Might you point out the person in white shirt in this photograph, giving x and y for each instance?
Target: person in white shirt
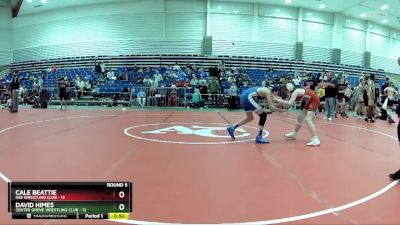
(23, 92)
(158, 77)
(176, 67)
(194, 82)
(79, 86)
(148, 81)
(110, 75)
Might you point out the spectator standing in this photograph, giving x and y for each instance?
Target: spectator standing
(330, 86)
(141, 98)
(215, 90)
(63, 84)
(15, 83)
(371, 99)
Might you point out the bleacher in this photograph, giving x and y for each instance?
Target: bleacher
(256, 68)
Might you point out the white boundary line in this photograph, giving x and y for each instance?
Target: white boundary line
(273, 221)
(3, 177)
(281, 220)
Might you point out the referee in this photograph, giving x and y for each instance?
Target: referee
(396, 175)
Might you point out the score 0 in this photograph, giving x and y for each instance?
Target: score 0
(121, 196)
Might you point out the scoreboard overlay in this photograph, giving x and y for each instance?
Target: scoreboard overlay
(70, 200)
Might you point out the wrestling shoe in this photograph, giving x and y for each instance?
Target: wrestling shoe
(395, 176)
(314, 142)
(231, 132)
(291, 135)
(261, 140)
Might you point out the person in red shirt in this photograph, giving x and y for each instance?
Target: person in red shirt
(311, 105)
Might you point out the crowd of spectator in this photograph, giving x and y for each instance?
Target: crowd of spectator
(212, 86)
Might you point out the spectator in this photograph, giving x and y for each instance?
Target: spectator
(341, 102)
(194, 82)
(161, 96)
(151, 96)
(232, 97)
(111, 75)
(42, 75)
(385, 85)
(359, 109)
(53, 68)
(141, 98)
(371, 99)
(389, 93)
(181, 75)
(126, 77)
(158, 77)
(321, 95)
(63, 84)
(15, 83)
(139, 80)
(221, 65)
(188, 69)
(23, 94)
(348, 92)
(215, 90)
(148, 81)
(176, 67)
(187, 84)
(202, 81)
(196, 99)
(270, 72)
(330, 95)
(173, 75)
(242, 81)
(26, 77)
(204, 90)
(265, 82)
(310, 82)
(35, 88)
(173, 97)
(178, 83)
(79, 85)
(95, 92)
(201, 73)
(88, 85)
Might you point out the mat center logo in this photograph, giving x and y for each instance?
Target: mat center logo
(202, 131)
(188, 133)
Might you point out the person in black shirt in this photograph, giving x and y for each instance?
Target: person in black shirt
(63, 84)
(396, 175)
(330, 86)
(310, 82)
(14, 83)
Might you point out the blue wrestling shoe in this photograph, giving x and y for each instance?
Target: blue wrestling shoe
(231, 132)
(261, 140)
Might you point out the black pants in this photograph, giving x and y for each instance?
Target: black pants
(232, 102)
(398, 131)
